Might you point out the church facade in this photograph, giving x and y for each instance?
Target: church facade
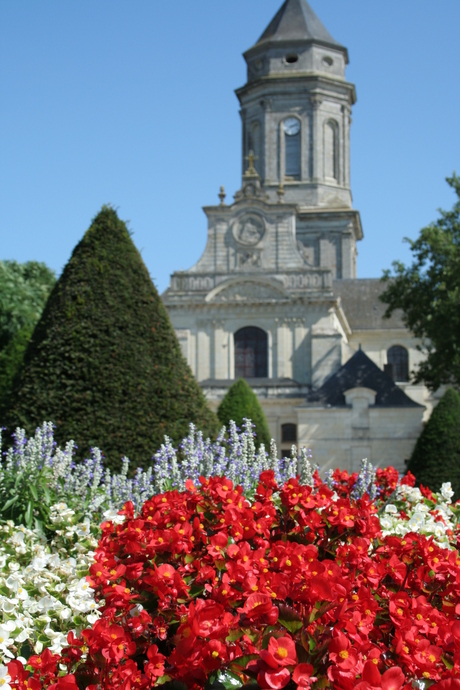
(275, 297)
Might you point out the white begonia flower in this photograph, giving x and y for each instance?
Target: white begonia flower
(446, 491)
(112, 516)
(17, 538)
(14, 566)
(93, 617)
(8, 605)
(386, 523)
(65, 613)
(416, 521)
(38, 647)
(390, 508)
(83, 529)
(5, 678)
(38, 563)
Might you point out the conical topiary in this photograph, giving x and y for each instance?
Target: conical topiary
(241, 402)
(436, 456)
(104, 363)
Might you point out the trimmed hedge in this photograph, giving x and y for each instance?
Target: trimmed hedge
(104, 363)
(240, 402)
(436, 456)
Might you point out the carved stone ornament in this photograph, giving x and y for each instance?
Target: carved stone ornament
(248, 292)
(249, 230)
(248, 258)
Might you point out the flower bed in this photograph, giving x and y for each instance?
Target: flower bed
(297, 587)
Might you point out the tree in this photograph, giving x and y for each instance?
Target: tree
(436, 456)
(104, 363)
(428, 292)
(24, 289)
(241, 402)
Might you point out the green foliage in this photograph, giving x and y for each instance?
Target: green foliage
(24, 289)
(436, 456)
(428, 292)
(104, 363)
(10, 362)
(240, 403)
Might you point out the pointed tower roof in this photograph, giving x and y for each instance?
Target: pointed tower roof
(296, 21)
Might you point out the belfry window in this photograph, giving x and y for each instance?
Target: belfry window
(398, 359)
(251, 353)
(254, 144)
(291, 128)
(331, 151)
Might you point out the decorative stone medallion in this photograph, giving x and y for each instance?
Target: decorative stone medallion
(249, 230)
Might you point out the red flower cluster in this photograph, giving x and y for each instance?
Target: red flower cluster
(294, 589)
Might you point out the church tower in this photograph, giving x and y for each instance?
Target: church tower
(295, 110)
(265, 300)
(259, 303)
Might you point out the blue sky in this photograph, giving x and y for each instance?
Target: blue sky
(131, 102)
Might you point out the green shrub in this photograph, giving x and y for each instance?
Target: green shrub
(11, 358)
(240, 403)
(24, 289)
(104, 363)
(436, 456)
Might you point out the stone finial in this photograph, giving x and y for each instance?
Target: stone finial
(222, 195)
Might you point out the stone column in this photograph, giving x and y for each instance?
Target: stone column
(317, 139)
(346, 121)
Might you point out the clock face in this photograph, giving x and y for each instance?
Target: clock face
(291, 126)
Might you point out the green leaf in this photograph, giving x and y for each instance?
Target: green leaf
(29, 513)
(9, 503)
(195, 590)
(293, 626)
(33, 491)
(47, 494)
(243, 661)
(229, 680)
(234, 635)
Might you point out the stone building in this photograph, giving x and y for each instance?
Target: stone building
(275, 297)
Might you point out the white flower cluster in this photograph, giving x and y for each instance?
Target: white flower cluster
(436, 521)
(43, 588)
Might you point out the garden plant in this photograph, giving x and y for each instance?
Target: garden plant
(291, 581)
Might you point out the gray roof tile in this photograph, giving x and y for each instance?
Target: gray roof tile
(362, 306)
(296, 21)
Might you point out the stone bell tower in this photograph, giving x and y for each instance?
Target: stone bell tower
(295, 110)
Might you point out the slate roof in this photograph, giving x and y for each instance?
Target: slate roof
(360, 372)
(296, 21)
(361, 304)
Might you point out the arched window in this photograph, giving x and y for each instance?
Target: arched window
(398, 358)
(291, 128)
(331, 150)
(254, 144)
(251, 353)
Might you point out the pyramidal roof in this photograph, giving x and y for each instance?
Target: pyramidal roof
(360, 371)
(296, 21)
